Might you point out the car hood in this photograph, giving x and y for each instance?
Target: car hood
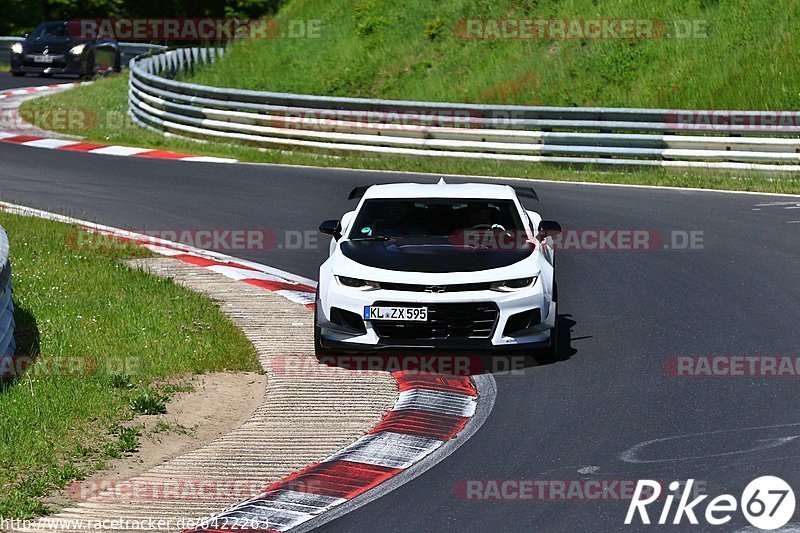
(54, 45)
(430, 256)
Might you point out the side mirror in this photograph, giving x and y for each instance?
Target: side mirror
(332, 228)
(549, 227)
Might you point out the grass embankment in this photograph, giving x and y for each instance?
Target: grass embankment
(740, 56)
(737, 57)
(110, 342)
(108, 98)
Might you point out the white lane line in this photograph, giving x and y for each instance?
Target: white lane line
(49, 143)
(392, 450)
(243, 273)
(119, 150)
(448, 403)
(170, 248)
(285, 499)
(270, 520)
(209, 159)
(280, 510)
(160, 250)
(487, 391)
(300, 297)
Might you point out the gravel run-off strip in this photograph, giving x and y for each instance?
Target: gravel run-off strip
(309, 412)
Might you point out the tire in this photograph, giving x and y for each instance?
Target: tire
(552, 350)
(17, 74)
(88, 72)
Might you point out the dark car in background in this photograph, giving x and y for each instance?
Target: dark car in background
(52, 49)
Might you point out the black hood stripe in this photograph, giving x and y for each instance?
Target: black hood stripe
(430, 258)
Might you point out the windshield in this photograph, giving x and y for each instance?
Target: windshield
(50, 29)
(433, 217)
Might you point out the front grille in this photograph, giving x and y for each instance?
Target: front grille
(460, 287)
(445, 321)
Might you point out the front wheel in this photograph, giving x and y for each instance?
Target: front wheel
(552, 350)
(17, 74)
(88, 71)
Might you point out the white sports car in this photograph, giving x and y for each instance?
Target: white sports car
(450, 267)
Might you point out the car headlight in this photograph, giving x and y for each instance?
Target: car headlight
(77, 50)
(511, 285)
(16, 48)
(355, 283)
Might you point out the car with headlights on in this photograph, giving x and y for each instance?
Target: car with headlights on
(438, 266)
(60, 48)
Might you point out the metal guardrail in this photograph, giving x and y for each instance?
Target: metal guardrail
(130, 50)
(7, 344)
(604, 136)
(127, 50)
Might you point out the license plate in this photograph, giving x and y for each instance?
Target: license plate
(42, 59)
(407, 314)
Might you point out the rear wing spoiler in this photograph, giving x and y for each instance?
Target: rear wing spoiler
(525, 192)
(358, 192)
(522, 192)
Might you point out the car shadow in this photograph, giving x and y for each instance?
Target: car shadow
(26, 334)
(457, 363)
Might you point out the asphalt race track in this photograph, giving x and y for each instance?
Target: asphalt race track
(581, 417)
(7, 81)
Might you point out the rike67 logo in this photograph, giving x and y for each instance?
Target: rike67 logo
(767, 502)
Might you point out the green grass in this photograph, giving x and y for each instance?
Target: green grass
(108, 97)
(126, 441)
(148, 403)
(412, 50)
(121, 335)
